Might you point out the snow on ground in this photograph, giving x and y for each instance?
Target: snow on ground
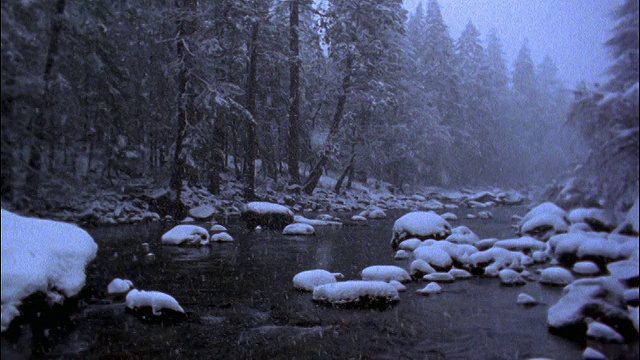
(222, 237)
(431, 288)
(299, 229)
(186, 235)
(119, 286)
(385, 273)
(543, 221)
(420, 224)
(355, 292)
(156, 300)
(308, 280)
(41, 256)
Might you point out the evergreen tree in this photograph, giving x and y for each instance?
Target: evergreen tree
(624, 47)
(497, 69)
(524, 79)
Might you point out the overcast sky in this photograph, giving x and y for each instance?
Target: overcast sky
(572, 32)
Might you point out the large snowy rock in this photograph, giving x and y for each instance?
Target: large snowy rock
(385, 273)
(308, 280)
(444, 254)
(543, 221)
(599, 298)
(186, 235)
(599, 247)
(41, 256)
(421, 225)
(154, 306)
(267, 215)
(357, 293)
(597, 219)
(491, 261)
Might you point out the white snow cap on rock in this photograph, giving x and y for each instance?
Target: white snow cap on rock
(422, 266)
(462, 235)
(385, 273)
(156, 300)
(431, 288)
(221, 237)
(601, 331)
(353, 291)
(526, 299)
(401, 255)
(449, 216)
(544, 215)
(459, 273)
(186, 235)
(307, 280)
(313, 222)
(510, 277)
(217, 228)
(521, 244)
(298, 229)
(556, 276)
(377, 214)
(589, 244)
(41, 256)
(420, 224)
(409, 244)
(119, 286)
(592, 354)
(586, 268)
(261, 207)
(439, 277)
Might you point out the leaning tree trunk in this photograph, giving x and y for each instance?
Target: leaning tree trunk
(344, 174)
(251, 151)
(185, 103)
(314, 177)
(39, 126)
(294, 94)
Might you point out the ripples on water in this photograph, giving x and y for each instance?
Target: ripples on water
(242, 303)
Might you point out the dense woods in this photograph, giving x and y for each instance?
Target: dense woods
(99, 94)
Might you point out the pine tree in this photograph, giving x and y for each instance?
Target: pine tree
(524, 79)
(624, 46)
(497, 69)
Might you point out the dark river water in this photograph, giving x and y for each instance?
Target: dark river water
(241, 303)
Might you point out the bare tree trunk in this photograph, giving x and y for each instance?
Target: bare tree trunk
(39, 125)
(344, 174)
(185, 103)
(218, 155)
(251, 151)
(294, 94)
(314, 177)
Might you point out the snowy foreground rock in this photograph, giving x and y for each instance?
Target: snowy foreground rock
(268, 215)
(421, 225)
(543, 221)
(154, 306)
(308, 280)
(186, 235)
(41, 256)
(357, 293)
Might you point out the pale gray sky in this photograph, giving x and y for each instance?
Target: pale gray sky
(572, 32)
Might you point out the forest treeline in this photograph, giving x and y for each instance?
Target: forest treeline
(97, 93)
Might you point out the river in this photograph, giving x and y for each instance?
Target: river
(241, 303)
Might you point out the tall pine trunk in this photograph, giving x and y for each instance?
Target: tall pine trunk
(251, 150)
(39, 127)
(294, 94)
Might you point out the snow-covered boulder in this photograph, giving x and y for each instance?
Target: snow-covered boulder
(203, 212)
(596, 298)
(409, 244)
(510, 277)
(543, 221)
(434, 256)
(266, 214)
(357, 293)
(119, 287)
(41, 256)
(430, 289)
(526, 244)
(598, 247)
(556, 276)
(299, 229)
(186, 235)
(421, 225)
(490, 262)
(597, 219)
(307, 280)
(526, 300)
(221, 237)
(154, 306)
(632, 297)
(385, 273)
(462, 235)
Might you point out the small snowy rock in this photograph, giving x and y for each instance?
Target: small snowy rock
(299, 229)
(420, 266)
(203, 212)
(526, 300)
(157, 301)
(439, 277)
(358, 218)
(217, 228)
(377, 214)
(431, 288)
(485, 214)
(592, 354)
(459, 274)
(356, 292)
(186, 235)
(398, 285)
(556, 276)
(308, 280)
(471, 216)
(449, 216)
(601, 331)
(409, 244)
(401, 255)
(221, 237)
(119, 286)
(385, 273)
(510, 277)
(586, 268)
